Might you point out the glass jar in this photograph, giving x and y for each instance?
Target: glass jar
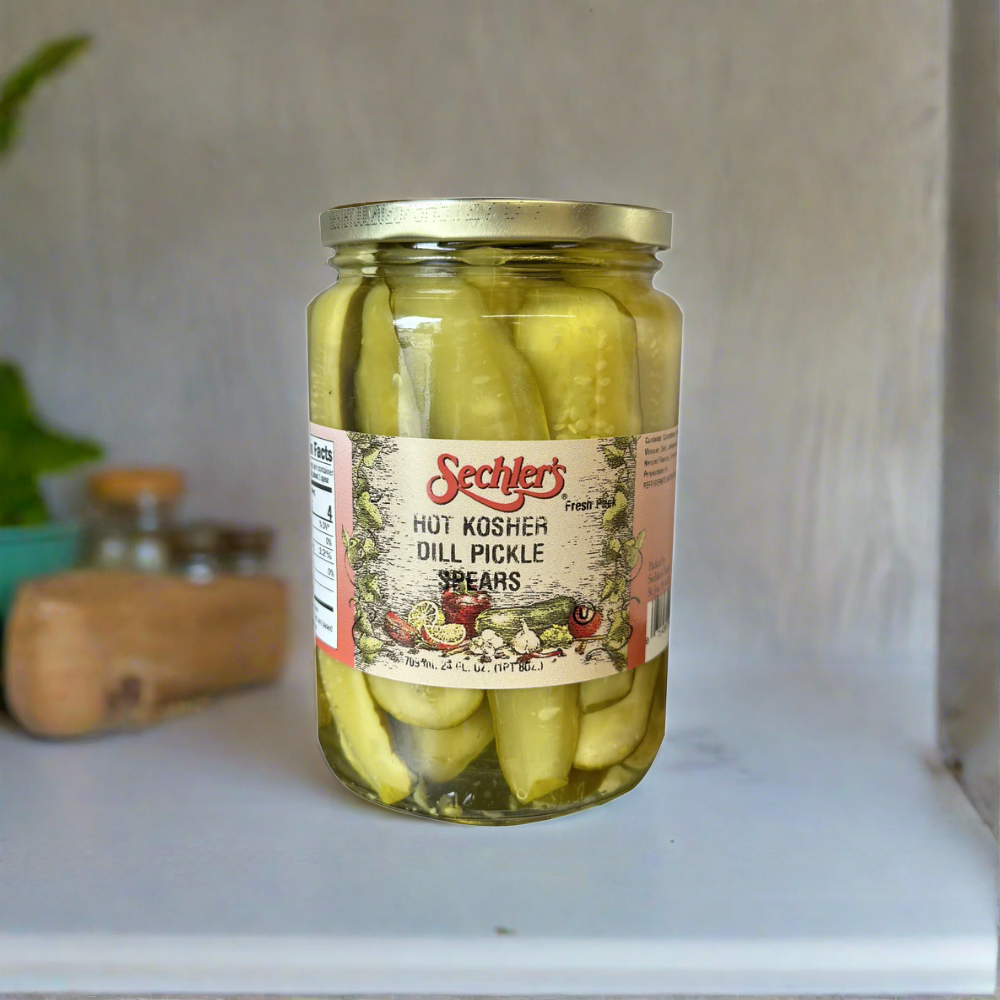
(494, 405)
(247, 549)
(197, 550)
(131, 523)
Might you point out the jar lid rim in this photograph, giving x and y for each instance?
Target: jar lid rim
(504, 220)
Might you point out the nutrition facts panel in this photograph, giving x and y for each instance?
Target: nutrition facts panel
(324, 541)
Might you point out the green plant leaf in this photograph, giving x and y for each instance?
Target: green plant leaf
(369, 646)
(21, 500)
(362, 623)
(615, 589)
(370, 455)
(620, 631)
(616, 516)
(18, 86)
(366, 513)
(630, 553)
(29, 449)
(614, 456)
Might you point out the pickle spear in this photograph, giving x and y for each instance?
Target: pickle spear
(610, 735)
(604, 691)
(469, 381)
(442, 754)
(363, 736)
(500, 289)
(658, 321)
(581, 347)
(645, 752)
(536, 731)
(385, 400)
(420, 705)
(333, 319)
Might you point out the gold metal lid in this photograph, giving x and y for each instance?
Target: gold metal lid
(501, 220)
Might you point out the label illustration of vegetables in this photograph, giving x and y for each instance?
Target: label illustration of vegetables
(362, 548)
(622, 552)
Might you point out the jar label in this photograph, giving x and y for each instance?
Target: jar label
(492, 564)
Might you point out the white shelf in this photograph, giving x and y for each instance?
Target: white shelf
(795, 836)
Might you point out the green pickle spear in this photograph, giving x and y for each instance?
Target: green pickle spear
(420, 705)
(536, 731)
(440, 755)
(363, 735)
(385, 399)
(470, 383)
(334, 345)
(658, 321)
(607, 737)
(333, 319)
(581, 346)
(644, 754)
(386, 405)
(604, 691)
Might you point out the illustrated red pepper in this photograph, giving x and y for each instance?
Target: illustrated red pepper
(401, 630)
(463, 606)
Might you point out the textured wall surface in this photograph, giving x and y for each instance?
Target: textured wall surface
(159, 243)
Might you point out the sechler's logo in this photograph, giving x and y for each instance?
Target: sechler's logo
(491, 484)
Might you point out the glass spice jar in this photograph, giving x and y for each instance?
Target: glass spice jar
(247, 549)
(198, 550)
(131, 523)
(494, 406)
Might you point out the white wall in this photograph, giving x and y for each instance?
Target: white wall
(158, 242)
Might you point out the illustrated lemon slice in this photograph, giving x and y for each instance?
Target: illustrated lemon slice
(444, 636)
(426, 613)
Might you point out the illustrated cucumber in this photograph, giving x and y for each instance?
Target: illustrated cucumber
(645, 753)
(334, 322)
(421, 705)
(604, 691)
(363, 736)
(469, 381)
(440, 755)
(386, 403)
(582, 348)
(658, 322)
(536, 733)
(610, 735)
(507, 622)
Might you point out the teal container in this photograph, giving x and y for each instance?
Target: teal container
(34, 550)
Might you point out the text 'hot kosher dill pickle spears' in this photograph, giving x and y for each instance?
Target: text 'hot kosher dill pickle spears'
(493, 401)
(581, 346)
(469, 380)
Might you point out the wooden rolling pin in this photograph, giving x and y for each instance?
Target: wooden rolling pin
(94, 650)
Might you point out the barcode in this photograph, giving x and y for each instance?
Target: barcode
(658, 615)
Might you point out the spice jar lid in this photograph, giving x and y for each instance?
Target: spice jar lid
(129, 484)
(502, 220)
